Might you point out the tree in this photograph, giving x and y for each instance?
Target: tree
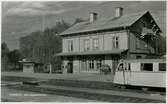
(4, 56)
(42, 46)
(78, 20)
(27, 43)
(14, 57)
(4, 49)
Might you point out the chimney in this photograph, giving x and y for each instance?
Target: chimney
(93, 17)
(118, 12)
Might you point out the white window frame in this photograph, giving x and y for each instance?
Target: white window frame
(70, 45)
(99, 63)
(91, 64)
(86, 45)
(115, 41)
(95, 43)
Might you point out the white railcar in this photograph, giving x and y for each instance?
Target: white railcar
(141, 72)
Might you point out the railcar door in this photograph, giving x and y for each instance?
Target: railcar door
(127, 73)
(120, 76)
(123, 74)
(124, 68)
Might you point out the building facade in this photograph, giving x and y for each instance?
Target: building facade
(88, 45)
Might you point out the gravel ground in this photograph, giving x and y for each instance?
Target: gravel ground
(13, 95)
(35, 94)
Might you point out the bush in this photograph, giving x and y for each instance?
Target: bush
(105, 69)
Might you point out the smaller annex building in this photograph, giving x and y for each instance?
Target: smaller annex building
(31, 66)
(90, 44)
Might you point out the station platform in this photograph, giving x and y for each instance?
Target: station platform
(76, 76)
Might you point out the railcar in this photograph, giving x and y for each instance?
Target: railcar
(141, 72)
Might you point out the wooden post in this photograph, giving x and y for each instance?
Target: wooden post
(50, 68)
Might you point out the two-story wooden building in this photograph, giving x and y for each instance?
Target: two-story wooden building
(87, 45)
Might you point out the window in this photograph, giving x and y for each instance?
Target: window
(86, 45)
(138, 57)
(124, 66)
(120, 68)
(95, 44)
(91, 64)
(115, 42)
(70, 45)
(129, 67)
(99, 63)
(162, 66)
(84, 65)
(146, 67)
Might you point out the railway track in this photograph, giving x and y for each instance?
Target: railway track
(98, 95)
(81, 84)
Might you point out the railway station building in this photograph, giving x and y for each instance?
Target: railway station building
(88, 45)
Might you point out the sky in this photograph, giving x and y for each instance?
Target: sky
(21, 18)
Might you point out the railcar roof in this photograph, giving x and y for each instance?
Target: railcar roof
(144, 60)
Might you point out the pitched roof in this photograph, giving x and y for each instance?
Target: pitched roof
(28, 60)
(103, 24)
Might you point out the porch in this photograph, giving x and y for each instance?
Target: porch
(91, 61)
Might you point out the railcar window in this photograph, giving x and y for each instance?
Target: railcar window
(162, 66)
(146, 67)
(126, 66)
(120, 68)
